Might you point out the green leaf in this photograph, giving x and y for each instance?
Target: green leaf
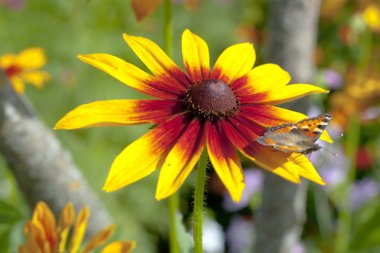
(8, 213)
(185, 240)
(4, 239)
(366, 227)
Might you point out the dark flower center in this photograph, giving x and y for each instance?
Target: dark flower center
(212, 100)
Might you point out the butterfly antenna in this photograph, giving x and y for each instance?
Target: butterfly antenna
(332, 153)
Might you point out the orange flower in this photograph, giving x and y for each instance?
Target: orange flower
(361, 92)
(24, 67)
(225, 109)
(44, 235)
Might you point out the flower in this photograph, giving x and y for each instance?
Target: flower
(24, 67)
(363, 191)
(359, 96)
(371, 16)
(45, 235)
(226, 109)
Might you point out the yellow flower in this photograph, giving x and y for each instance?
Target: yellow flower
(361, 92)
(371, 17)
(24, 67)
(225, 109)
(45, 235)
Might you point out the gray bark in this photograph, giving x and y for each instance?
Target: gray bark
(43, 169)
(292, 38)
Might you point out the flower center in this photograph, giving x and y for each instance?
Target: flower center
(12, 70)
(211, 100)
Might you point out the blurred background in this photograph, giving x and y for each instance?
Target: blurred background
(347, 60)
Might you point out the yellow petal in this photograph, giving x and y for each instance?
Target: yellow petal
(195, 56)
(117, 112)
(18, 84)
(180, 160)
(288, 93)
(65, 221)
(7, 60)
(99, 239)
(266, 77)
(119, 247)
(31, 58)
(288, 166)
(372, 17)
(142, 157)
(124, 72)
(37, 78)
(43, 216)
(326, 137)
(275, 162)
(234, 62)
(225, 161)
(79, 230)
(305, 168)
(157, 61)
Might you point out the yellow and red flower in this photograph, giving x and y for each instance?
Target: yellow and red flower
(45, 235)
(225, 109)
(25, 67)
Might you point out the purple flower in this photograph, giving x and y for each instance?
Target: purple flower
(332, 79)
(240, 234)
(254, 182)
(333, 170)
(13, 4)
(363, 191)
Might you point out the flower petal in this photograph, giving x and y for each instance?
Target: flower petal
(157, 61)
(196, 56)
(99, 239)
(270, 116)
(37, 78)
(282, 95)
(44, 218)
(181, 160)
(234, 62)
(119, 112)
(18, 84)
(225, 161)
(144, 155)
(282, 164)
(79, 230)
(119, 247)
(263, 78)
(129, 75)
(31, 58)
(65, 221)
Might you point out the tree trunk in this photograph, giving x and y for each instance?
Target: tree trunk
(292, 37)
(42, 168)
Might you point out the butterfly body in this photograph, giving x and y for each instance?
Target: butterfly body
(296, 138)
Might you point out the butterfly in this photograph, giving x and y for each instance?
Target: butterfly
(296, 138)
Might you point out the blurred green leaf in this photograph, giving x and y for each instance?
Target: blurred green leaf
(8, 213)
(185, 240)
(366, 227)
(4, 238)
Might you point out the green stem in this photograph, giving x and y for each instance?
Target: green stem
(173, 207)
(173, 200)
(168, 27)
(344, 212)
(198, 201)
